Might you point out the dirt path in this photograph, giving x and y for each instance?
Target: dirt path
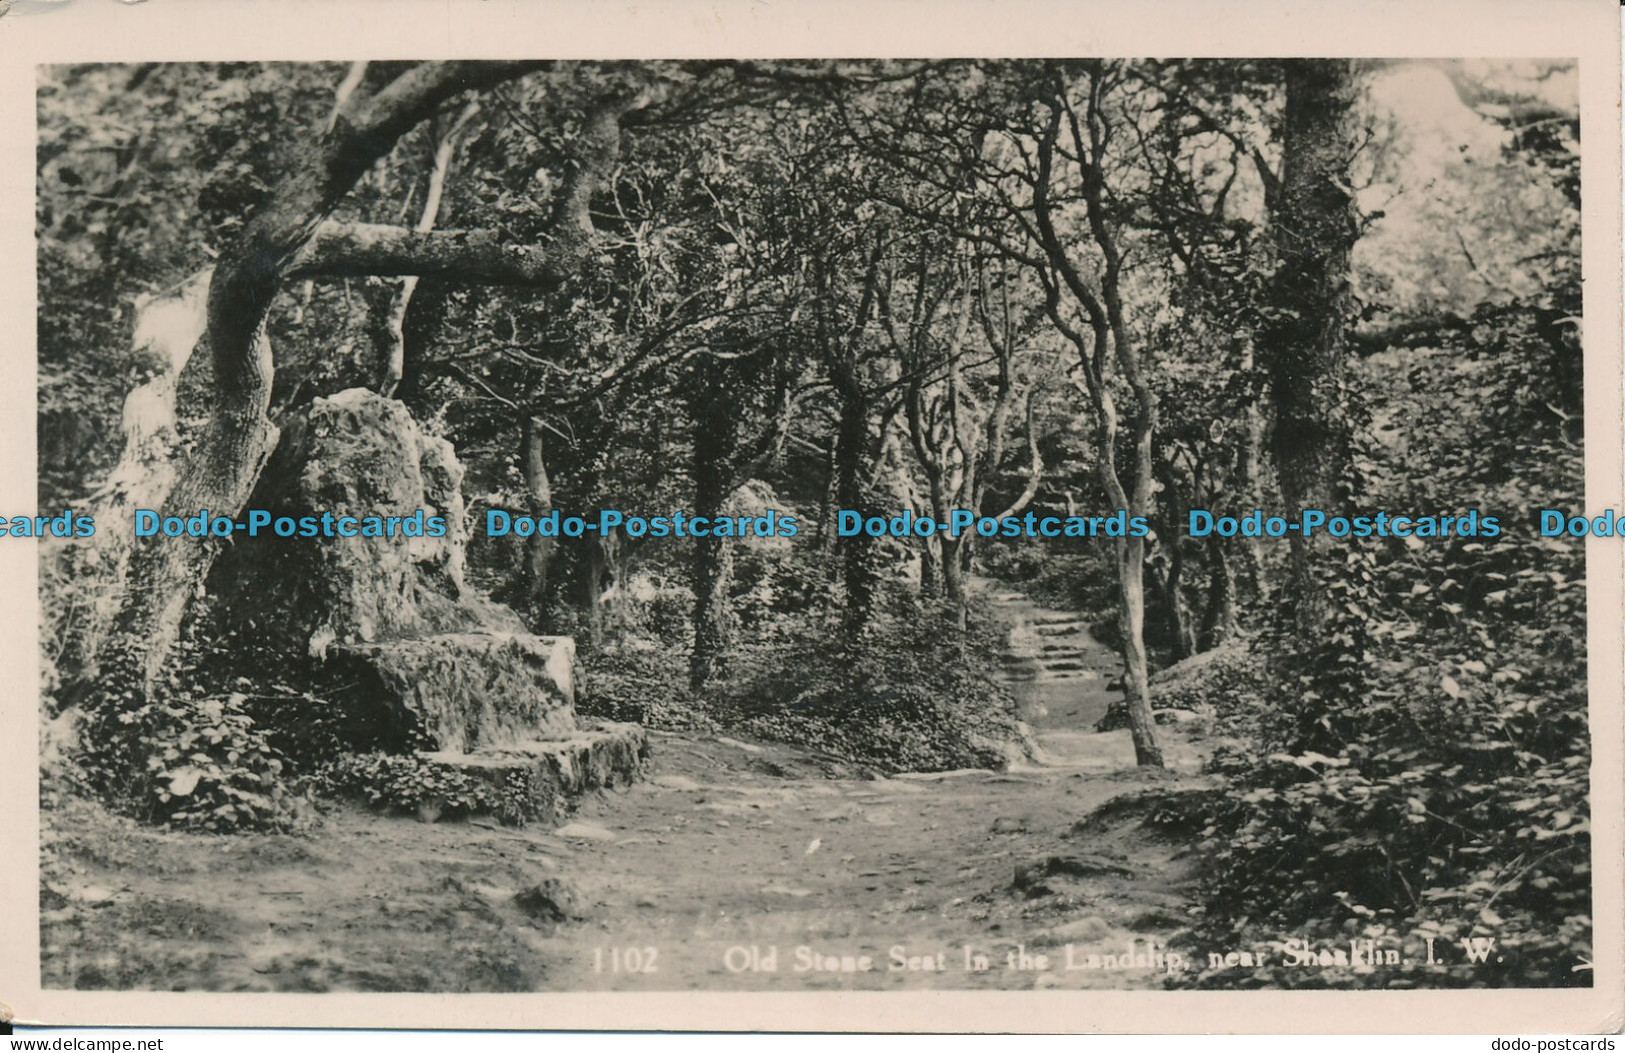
(737, 866)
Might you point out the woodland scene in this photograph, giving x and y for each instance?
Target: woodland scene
(480, 762)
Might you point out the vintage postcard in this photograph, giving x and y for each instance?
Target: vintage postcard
(812, 517)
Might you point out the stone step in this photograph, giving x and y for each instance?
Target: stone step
(1046, 676)
(1059, 628)
(461, 692)
(540, 777)
(1057, 619)
(1083, 675)
(1061, 666)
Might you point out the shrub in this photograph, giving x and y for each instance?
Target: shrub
(912, 693)
(210, 750)
(638, 680)
(408, 783)
(205, 765)
(1226, 682)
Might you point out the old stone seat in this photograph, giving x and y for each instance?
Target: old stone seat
(419, 661)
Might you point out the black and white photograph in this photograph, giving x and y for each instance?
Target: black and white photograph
(1063, 523)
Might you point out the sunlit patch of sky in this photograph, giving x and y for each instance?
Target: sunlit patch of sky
(1435, 185)
(1438, 126)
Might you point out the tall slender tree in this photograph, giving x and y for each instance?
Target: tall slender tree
(1304, 342)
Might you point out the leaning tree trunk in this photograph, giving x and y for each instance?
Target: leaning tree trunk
(1304, 346)
(1131, 583)
(164, 574)
(1136, 675)
(167, 330)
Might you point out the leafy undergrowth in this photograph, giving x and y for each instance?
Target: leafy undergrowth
(1225, 682)
(1419, 773)
(910, 694)
(1390, 849)
(398, 783)
(1420, 754)
(216, 751)
(1381, 795)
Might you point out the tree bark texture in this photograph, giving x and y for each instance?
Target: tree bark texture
(168, 328)
(858, 556)
(1305, 343)
(714, 438)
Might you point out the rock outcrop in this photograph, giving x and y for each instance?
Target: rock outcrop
(418, 659)
(361, 454)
